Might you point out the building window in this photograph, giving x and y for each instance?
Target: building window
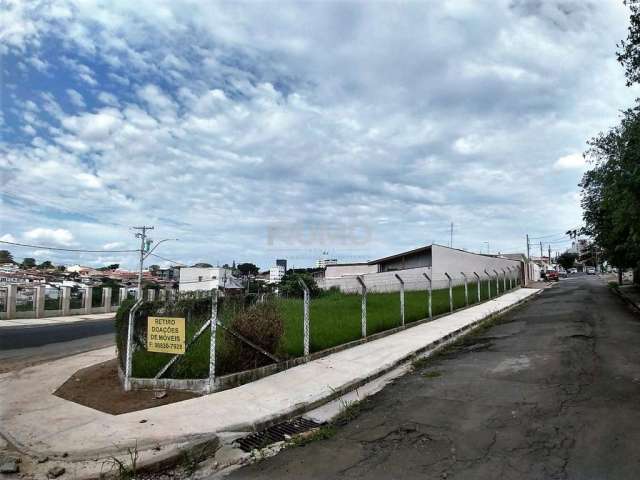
(199, 279)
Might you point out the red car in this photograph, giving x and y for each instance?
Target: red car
(552, 276)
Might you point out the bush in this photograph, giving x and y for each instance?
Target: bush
(262, 325)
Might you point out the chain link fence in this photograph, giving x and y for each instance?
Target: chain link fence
(248, 331)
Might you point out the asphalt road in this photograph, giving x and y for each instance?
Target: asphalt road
(550, 392)
(27, 345)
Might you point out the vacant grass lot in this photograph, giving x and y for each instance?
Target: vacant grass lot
(335, 318)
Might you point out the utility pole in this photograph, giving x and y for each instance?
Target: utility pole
(451, 236)
(143, 241)
(528, 245)
(549, 255)
(541, 255)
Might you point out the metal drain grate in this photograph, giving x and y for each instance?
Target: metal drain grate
(275, 433)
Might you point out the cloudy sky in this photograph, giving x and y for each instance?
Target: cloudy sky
(257, 130)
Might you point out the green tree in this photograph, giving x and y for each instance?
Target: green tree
(611, 192)
(6, 257)
(45, 265)
(290, 286)
(611, 189)
(113, 266)
(28, 262)
(248, 269)
(567, 260)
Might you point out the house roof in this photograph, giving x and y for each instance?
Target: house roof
(399, 255)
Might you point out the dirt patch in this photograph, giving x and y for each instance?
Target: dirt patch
(99, 387)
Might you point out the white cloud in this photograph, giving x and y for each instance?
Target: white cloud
(59, 236)
(112, 245)
(76, 98)
(212, 122)
(88, 180)
(570, 162)
(7, 237)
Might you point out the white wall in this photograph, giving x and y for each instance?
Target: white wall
(196, 278)
(455, 261)
(336, 271)
(444, 259)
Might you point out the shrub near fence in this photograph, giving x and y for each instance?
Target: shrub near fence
(258, 322)
(276, 325)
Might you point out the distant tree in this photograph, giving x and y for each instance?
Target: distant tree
(203, 265)
(6, 257)
(28, 262)
(290, 286)
(154, 268)
(113, 266)
(567, 260)
(248, 269)
(45, 265)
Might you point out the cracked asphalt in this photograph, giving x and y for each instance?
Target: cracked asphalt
(551, 392)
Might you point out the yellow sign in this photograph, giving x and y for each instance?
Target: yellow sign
(166, 335)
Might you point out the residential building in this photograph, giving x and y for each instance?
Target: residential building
(205, 278)
(9, 267)
(323, 262)
(276, 273)
(282, 262)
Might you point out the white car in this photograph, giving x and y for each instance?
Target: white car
(591, 271)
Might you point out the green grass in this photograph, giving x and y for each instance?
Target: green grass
(335, 319)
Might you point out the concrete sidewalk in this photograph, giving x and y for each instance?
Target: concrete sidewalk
(24, 322)
(38, 423)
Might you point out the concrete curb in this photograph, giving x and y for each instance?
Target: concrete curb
(626, 298)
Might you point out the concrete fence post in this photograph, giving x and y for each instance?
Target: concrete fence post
(129, 352)
(430, 291)
(466, 290)
(401, 299)
(162, 295)
(497, 282)
(12, 295)
(88, 299)
(450, 292)
(106, 299)
(478, 283)
(212, 344)
(364, 305)
(305, 321)
(66, 300)
(39, 301)
(122, 295)
(488, 284)
(151, 294)
(504, 280)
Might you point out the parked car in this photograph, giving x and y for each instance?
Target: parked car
(552, 276)
(573, 270)
(591, 271)
(562, 273)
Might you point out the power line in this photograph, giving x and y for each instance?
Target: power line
(168, 260)
(66, 249)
